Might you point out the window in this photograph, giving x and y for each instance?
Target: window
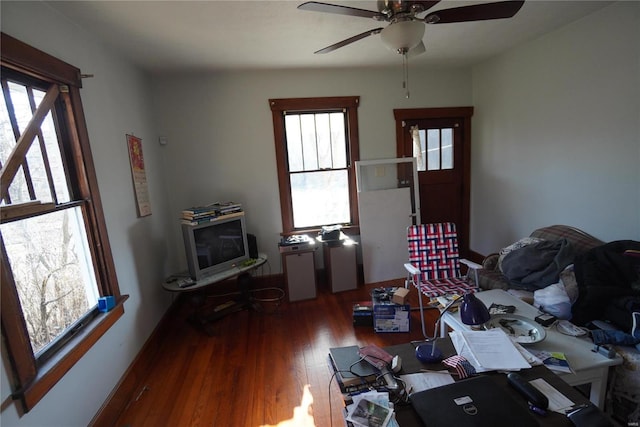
(433, 148)
(316, 147)
(55, 256)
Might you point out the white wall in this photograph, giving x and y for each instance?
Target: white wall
(116, 102)
(220, 131)
(556, 133)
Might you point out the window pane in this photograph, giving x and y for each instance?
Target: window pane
(338, 140)
(294, 142)
(316, 141)
(447, 148)
(52, 268)
(309, 141)
(18, 190)
(419, 150)
(54, 155)
(323, 135)
(23, 112)
(320, 198)
(433, 149)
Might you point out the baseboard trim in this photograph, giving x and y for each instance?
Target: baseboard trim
(125, 390)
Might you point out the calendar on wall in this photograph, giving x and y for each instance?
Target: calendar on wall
(140, 186)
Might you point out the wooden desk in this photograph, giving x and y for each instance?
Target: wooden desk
(407, 417)
(588, 367)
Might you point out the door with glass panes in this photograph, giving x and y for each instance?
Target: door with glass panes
(440, 145)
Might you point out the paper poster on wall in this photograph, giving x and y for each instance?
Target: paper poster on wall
(140, 185)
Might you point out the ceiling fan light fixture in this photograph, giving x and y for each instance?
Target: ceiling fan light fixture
(403, 35)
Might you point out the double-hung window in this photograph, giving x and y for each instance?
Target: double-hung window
(55, 255)
(316, 147)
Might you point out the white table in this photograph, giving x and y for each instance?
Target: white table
(172, 285)
(588, 367)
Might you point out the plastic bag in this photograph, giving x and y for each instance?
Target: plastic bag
(553, 300)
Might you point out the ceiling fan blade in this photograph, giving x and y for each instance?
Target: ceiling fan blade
(419, 49)
(349, 41)
(315, 6)
(477, 12)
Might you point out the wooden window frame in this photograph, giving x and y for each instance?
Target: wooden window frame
(30, 378)
(278, 109)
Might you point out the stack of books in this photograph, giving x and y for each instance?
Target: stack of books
(200, 214)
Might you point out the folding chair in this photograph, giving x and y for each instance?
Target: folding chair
(434, 263)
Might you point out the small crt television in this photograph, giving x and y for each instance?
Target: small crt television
(215, 246)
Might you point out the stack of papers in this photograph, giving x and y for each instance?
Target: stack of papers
(490, 350)
(371, 409)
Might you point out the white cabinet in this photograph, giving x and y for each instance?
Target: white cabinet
(300, 274)
(340, 264)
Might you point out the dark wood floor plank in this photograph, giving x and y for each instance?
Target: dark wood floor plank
(252, 366)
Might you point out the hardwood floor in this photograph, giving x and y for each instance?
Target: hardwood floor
(252, 369)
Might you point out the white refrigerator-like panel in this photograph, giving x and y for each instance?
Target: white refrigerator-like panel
(384, 218)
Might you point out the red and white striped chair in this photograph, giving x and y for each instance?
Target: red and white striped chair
(434, 263)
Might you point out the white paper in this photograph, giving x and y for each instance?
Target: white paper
(558, 402)
(462, 348)
(489, 350)
(532, 358)
(359, 417)
(425, 380)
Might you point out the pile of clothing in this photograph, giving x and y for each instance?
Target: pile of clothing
(602, 283)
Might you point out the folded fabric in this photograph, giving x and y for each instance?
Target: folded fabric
(526, 241)
(601, 337)
(538, 265)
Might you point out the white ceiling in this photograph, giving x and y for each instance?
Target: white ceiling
(269, 34)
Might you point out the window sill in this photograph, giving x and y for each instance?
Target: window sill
(349, 230)
(55, 368)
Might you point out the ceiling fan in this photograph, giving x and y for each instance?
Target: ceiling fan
(406, 28)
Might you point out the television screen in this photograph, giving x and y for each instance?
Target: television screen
(215, 246)
(219, 244)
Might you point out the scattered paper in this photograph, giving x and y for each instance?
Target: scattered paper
(488, 350)
(556, 361)
(425, 380)
(530, 356)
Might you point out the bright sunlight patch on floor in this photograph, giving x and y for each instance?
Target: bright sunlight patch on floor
(302, 415)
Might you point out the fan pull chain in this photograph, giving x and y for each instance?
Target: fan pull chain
(405, 73)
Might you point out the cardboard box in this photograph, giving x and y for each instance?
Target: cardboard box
(400, 296)
(389, 316)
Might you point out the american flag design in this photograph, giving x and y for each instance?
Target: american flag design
(461, 365)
